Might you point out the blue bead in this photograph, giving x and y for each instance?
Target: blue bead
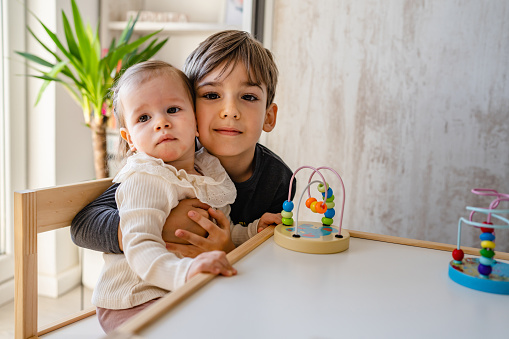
(484, 270)
(486, 261)
(330, 213)
(487, 236)
(330, 192)
(288, 205)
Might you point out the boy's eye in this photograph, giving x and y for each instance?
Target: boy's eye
(172, 110)
(143, 118)
(249, 97)
(211, 96)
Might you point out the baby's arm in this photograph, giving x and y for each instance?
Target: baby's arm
(144, 203)
(214, 262)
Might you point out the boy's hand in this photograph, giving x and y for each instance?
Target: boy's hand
(178, 220)
(218, 235)
(268, 219)
(214, 262)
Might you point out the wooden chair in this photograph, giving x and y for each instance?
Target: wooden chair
(37, 211)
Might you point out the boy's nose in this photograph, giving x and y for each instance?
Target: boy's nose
(230, 110)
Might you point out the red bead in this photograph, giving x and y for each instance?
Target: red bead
(486, 229)
(309, 201)
(457, 254)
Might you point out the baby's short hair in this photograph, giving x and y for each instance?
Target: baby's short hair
(230, 47)
(136, 75)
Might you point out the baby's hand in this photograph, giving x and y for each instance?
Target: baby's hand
(268, 219)
(214, 262)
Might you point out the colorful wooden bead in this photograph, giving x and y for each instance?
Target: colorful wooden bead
(327, 221)
(309, 201)
(484, 270)
(486, 261)
(330, 213)
(287, 221)
(312, 206)
(487, 236)
(321, 188)
(488, 244)
(320, 207)
(458, 254)
(330, 193)
(330, 204)
(487, 229)
(288, 206)
(286, 214)
(487, 253)
(330, 199)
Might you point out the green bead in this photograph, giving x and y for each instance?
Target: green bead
(287, 221)
(330, 204)
(321, 189)
(327, 221)
(330, 199)
(286, 214)
(487, 253)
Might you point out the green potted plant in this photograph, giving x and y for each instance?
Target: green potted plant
(87, 71)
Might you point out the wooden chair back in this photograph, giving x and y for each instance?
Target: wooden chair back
(37, 211)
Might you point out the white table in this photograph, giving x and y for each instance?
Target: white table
(372, 290)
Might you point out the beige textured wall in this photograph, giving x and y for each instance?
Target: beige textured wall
(408, 100)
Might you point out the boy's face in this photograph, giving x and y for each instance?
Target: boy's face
(231, 112)
(160, 120)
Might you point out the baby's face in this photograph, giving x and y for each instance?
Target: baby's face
(231, 112)
(159, 119)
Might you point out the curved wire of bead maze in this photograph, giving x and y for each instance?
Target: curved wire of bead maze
(326, 191)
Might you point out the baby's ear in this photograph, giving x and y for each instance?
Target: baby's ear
(124, 133)
(270, 118)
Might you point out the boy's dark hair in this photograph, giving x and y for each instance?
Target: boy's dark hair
(228, 48)
(136, 75)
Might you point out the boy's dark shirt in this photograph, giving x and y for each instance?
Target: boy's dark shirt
(96, 226)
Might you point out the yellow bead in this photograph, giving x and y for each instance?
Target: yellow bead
(488, 244)
(312, 206)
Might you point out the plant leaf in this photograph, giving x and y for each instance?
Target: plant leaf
(71, 42)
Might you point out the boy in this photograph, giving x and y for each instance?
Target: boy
(235, 79)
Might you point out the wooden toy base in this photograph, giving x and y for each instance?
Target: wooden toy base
(314, 238)
(466, 274)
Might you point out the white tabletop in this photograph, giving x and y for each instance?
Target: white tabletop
(372, 290)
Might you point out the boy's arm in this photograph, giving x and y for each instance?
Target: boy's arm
(96, 226)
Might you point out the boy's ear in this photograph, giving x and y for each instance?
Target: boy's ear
(270, 118)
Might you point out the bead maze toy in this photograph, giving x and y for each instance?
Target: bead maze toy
(484, 273)
(313, 237)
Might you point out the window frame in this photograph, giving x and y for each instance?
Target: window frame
(13, 143)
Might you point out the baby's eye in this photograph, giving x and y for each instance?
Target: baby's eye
(211, 96)
(249, 97)
(143, 118)
(172, 110)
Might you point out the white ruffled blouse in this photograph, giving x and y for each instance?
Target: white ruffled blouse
(149, 190)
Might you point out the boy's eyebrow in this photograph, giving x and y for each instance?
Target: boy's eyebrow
(220, 84)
